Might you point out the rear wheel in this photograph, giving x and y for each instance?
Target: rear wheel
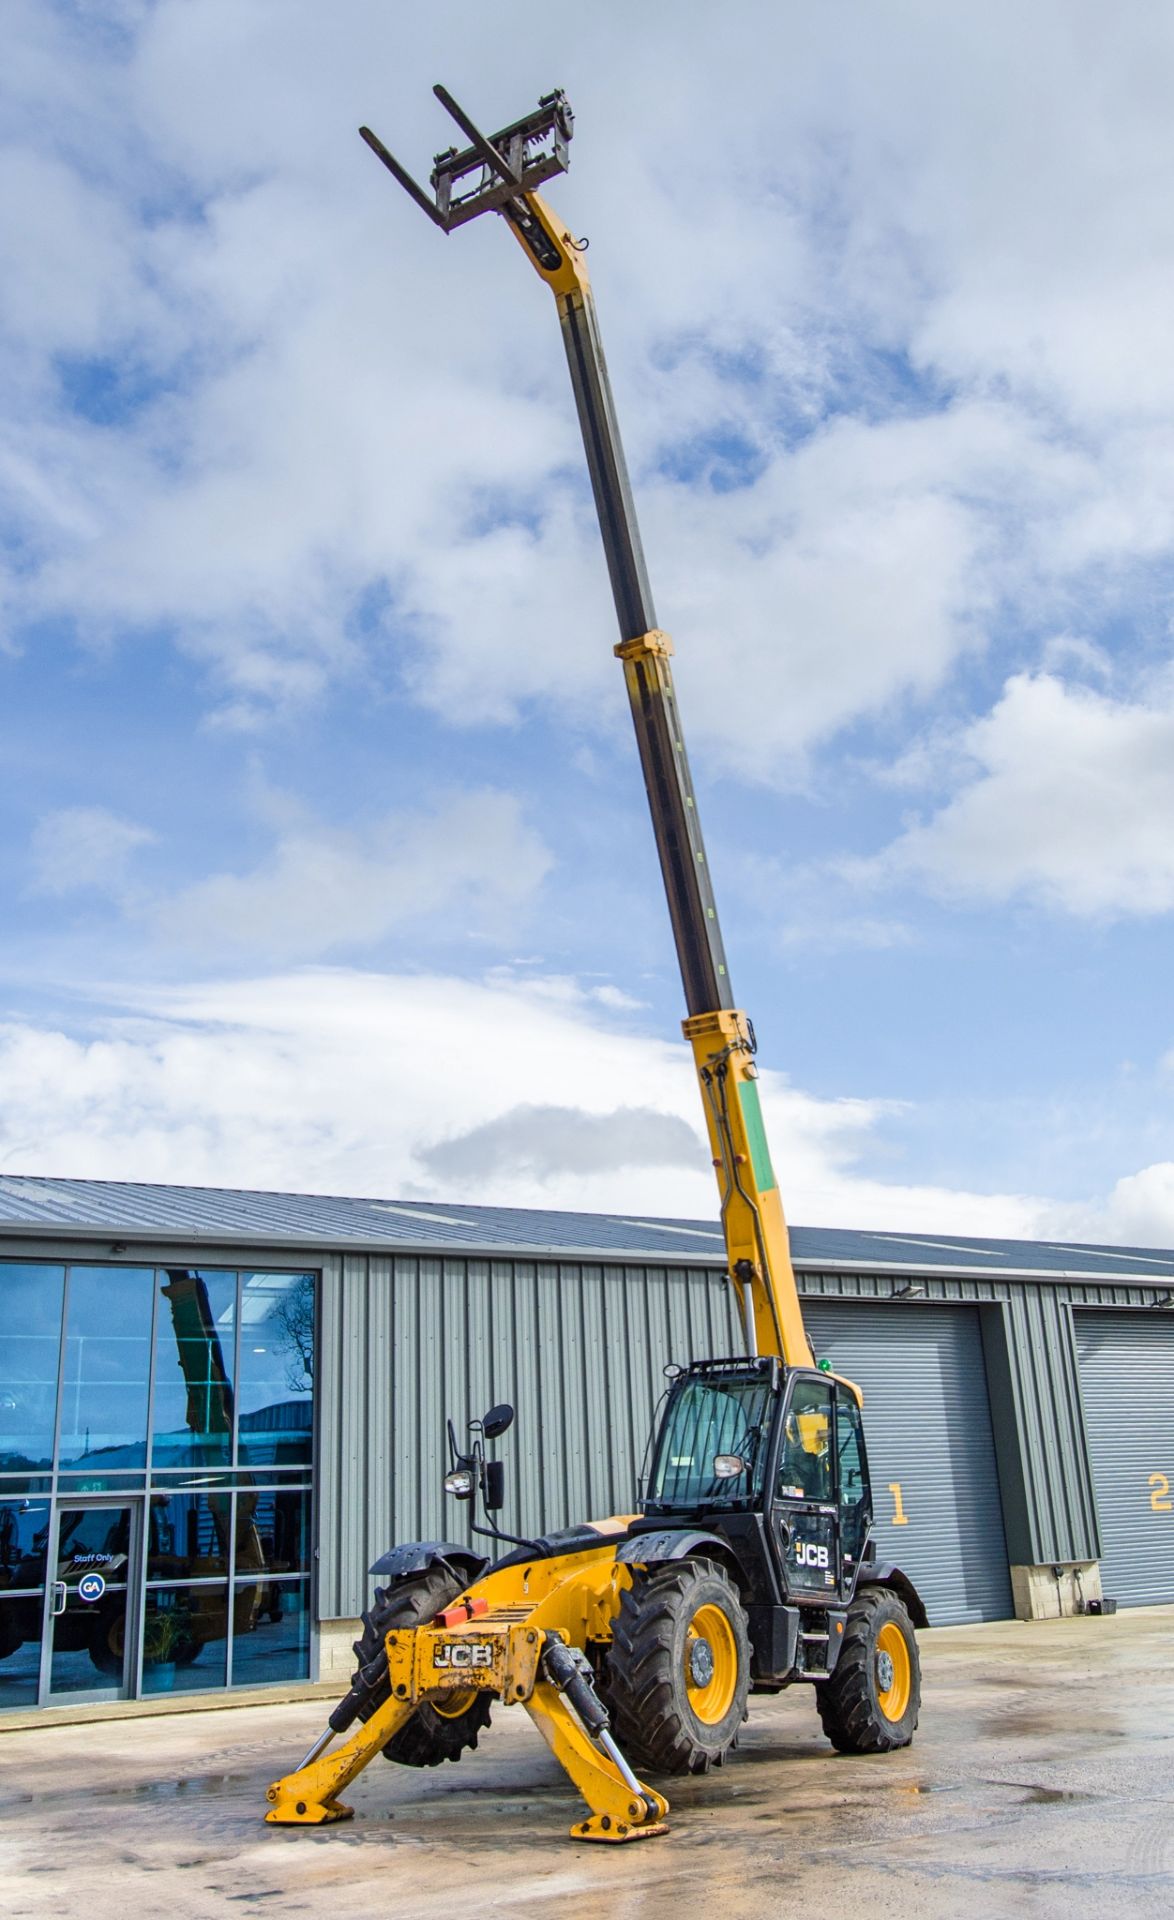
(871, 1702)
(678, 1672)
(442, 1728)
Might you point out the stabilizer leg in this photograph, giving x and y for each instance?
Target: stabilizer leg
(307, 1797)
(617, 1813)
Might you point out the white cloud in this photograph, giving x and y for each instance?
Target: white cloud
(85, 847)
(473, 859)
(311, 1082)
(1139, 1211)
(1071, 805)
(329, 410)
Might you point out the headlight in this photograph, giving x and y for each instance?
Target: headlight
(460, 1482)
(727, 1466)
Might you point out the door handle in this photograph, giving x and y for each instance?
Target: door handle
(59, 1597)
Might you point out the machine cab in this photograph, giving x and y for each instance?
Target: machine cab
(787, 1443)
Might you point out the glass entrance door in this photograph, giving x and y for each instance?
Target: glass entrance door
(95, 1558)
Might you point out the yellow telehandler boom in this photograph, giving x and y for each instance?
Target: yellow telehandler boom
(500, 174)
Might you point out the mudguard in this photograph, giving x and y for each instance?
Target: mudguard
(674, 1543)
(416, 1556)
(881, 1574)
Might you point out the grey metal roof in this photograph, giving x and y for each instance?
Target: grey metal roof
(39, 1208)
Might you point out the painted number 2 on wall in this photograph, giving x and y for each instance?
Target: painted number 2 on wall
(1160, 1497)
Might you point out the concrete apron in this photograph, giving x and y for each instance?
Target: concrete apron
(1040, 1783)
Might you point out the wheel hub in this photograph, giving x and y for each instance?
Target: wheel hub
(700, 1663)
(884, 1671)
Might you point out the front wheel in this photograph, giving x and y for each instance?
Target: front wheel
(871, 1702)
(445, 1726)
(678, 1673)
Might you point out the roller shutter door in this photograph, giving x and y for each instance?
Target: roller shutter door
(931, 1452)
(1127, 1390)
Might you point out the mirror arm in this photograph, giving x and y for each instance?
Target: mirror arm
(515, 1539)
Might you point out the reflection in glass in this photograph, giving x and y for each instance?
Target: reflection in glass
(225, 1549)
(188, 1534)
(277, 1645)
(20, 1651)
(107, 1364)
(185, 1639)
(30, 1315)
(89, 1637)
(194, 1334)
(281, 1516)
(24, 1539)
(24, 1543)
(276, 1384)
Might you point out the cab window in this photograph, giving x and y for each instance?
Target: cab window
(805, 1464)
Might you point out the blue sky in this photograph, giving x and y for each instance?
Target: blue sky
(325, 846)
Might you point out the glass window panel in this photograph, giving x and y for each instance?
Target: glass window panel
(89, 1635)
(195, 1327)
(107, 1363)
(271, 1632)
(276, 1396)
(187, 1535)
(20, 1649)
(24, 1543)
(805, 1463)
(30, 1314)
(85, 1480)
(185, 1639)
(281, 1519)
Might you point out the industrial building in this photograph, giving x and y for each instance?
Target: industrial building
(218, 1407)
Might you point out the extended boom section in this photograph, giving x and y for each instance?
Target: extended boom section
(498, 174)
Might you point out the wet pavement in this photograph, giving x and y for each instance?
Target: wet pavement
(1041, 1783)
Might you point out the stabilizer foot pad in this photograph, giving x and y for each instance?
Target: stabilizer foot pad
(615, 1832)
(314, 1816)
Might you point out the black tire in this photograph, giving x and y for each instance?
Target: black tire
(429, 1737)
(871, 1702)
(676, 1710)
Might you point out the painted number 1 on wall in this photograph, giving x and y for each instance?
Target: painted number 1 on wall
(900, 1517)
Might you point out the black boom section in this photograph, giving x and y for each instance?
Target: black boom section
(665, 765)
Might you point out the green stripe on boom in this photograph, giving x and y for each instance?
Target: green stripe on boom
(764, 1173)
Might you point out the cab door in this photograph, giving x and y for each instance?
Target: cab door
(803, 1509)
(853, 1491)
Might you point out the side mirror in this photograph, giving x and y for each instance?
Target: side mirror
(498, 1421)
(493, 1484)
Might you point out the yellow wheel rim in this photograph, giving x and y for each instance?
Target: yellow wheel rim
(893, 1663)
(450, 1706)
(711, 1698)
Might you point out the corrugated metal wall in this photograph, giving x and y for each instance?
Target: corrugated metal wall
(578, 1349)
(931, 1455)
(1045, 1478)
(1127, 1382)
